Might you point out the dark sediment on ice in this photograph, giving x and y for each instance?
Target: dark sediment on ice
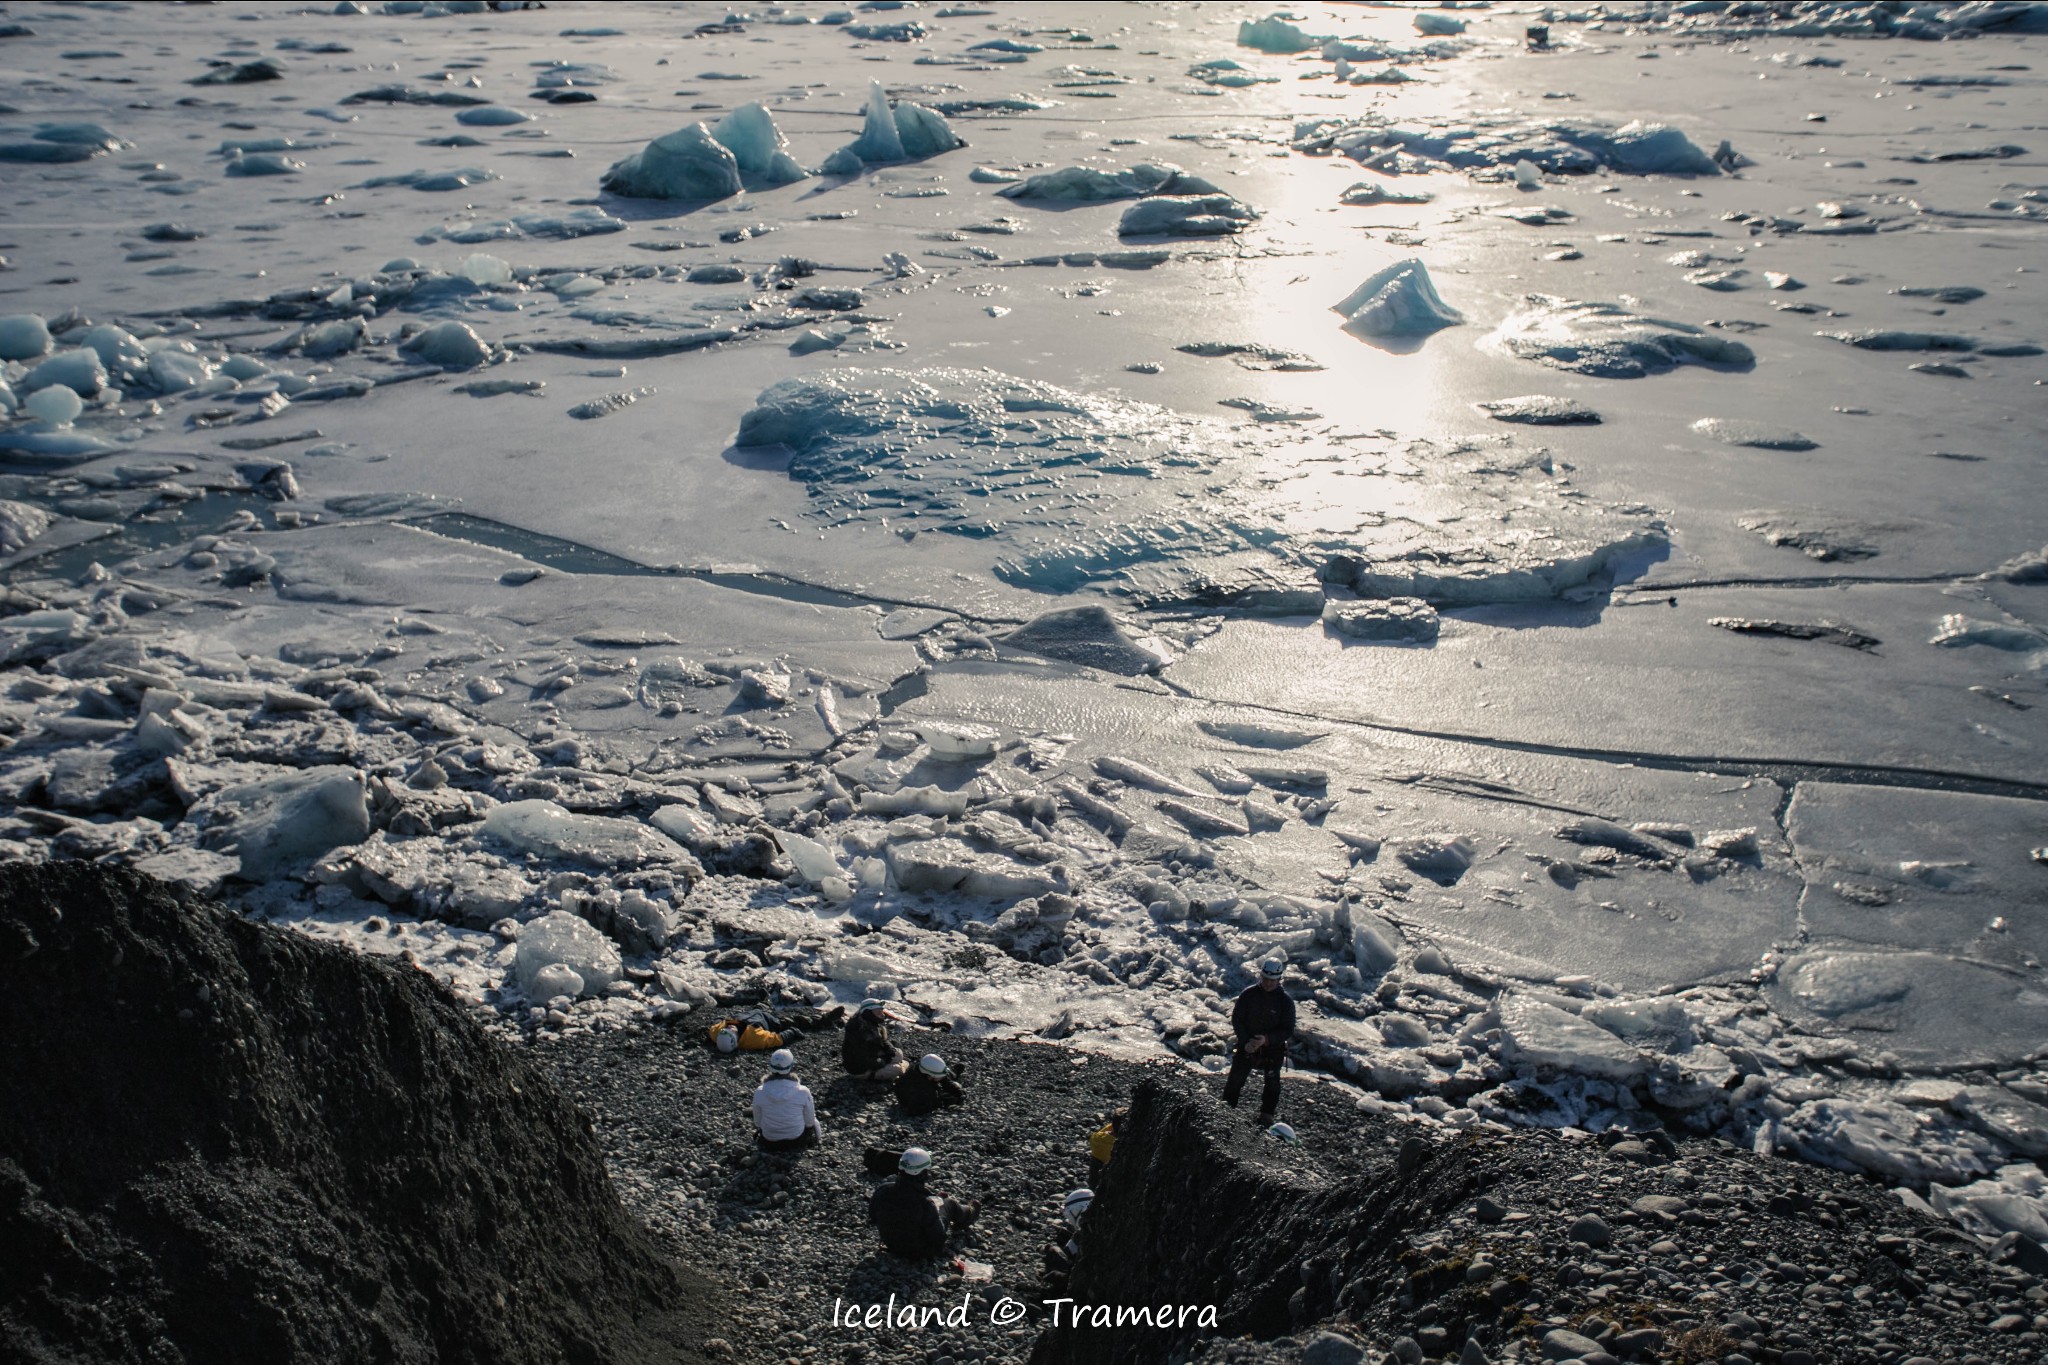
(225, 1142)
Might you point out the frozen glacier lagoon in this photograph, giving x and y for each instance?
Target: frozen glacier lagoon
(925, 512)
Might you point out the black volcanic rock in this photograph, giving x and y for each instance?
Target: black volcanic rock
(220, 1141)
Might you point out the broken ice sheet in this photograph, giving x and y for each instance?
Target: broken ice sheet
(1921, 869)
(1029, 470)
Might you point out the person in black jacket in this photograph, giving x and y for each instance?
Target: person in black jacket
(1263, 1020)
(913, 1221)
(928, 1085)
(866, 1050)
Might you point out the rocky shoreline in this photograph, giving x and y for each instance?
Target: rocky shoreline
(223, 1140)
(1405, 1240)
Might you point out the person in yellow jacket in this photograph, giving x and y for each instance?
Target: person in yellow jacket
(1102, 1143)
(762, 1030)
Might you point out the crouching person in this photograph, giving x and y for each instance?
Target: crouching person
(785, 1119)
(928, 1085)
(914, 1222)
(867, 1050)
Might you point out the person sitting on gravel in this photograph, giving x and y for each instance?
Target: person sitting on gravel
(1102, 1143)
(1059, 1257)
(1263, 1020)
(913, 1221)
(785, 1119)
(866, 1050)
(763, 1030)
(928, 1085)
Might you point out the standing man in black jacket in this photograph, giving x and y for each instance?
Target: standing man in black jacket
(1263, 1021)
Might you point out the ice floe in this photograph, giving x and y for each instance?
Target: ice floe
(1610, 341)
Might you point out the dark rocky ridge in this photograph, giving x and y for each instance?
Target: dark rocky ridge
(1523, 1245)
(225, 1142)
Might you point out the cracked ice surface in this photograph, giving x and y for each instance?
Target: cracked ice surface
(1108, 617)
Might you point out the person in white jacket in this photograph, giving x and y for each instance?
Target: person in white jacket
(785, 1119)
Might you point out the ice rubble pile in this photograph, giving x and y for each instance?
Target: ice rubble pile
(1493, 144)
(1108, 891)
(700, 163)
(892, 133)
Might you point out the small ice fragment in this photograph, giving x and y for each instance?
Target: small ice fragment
(1608, 341)
(1398, 301)
(78, 369)
(813, 861)
(1201, 821)
(1438, 25)
(263, 163)
(1737, 433)
(1090, 185)
(914, 801)
(1203, 215)
(23, 336)
(1883, 339)
(175, 369)
(562, 940)
(688, 164)
(1370, 193)
(1657, 149)
(1088, 635)
(959, 742)
(1259, 735)
(482, 268)
(1406, 619)
(556, 980)
(1542, 410)
(1275, 34)
(492, 116)
(57, 405)
(451, 344)
(924, 132)
(273, 822)
(546, 829)
(20, 523)
(1138, 775)
(758, 146)
(1957, 630)
(1527, 177)
(1441, 858)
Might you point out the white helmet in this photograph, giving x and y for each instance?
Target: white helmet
(1076, 1204)
(915, 1161)
(932, 1064)
(1273, 968)
(727, 1039)
(782, 1061)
